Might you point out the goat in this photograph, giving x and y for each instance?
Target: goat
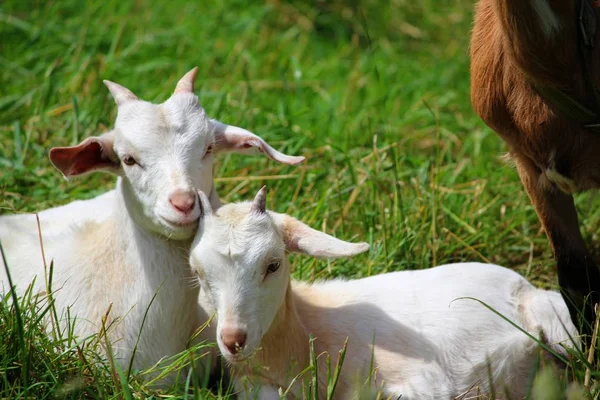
(422, 340)
(136, 245)
(531, 83)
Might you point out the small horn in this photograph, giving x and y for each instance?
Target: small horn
(205, 207)
(258, 205)
(120, 93)
(186, 84)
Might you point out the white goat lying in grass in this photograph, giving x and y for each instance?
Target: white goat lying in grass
(140, 247)
(428, 343)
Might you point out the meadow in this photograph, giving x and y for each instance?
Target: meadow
(375, 94)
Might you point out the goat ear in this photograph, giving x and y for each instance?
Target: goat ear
(93, 154)
(205, 206)
(300, 238)
(120, 93)
(233, 138)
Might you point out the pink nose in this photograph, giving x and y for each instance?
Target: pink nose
(182, 200)
(234, 339)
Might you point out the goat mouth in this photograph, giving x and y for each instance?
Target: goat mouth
(236, 358)
(180, 224)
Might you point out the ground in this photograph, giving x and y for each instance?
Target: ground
(375, 94)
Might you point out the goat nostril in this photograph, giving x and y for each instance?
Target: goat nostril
(234, 340)
(182, 201)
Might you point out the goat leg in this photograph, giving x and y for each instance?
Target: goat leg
(578, 274)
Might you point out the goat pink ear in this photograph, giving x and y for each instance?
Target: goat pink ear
(186, 84)
(233, 138)
(300, 238)
(93, 154)
(120, 93)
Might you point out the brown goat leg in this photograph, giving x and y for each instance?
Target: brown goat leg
(578, 274)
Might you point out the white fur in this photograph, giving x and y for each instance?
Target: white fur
(120, 249)
(428, 343)
(548, 19)
(57, 219)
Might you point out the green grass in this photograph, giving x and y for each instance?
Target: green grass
(375, 94)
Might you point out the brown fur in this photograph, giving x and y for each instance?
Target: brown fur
(554, 154)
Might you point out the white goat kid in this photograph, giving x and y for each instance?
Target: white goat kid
(139, 246)
(428, 344)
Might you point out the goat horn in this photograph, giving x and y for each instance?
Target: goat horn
(186, 84)
(258, 205)
(205, 206)
(120, 93)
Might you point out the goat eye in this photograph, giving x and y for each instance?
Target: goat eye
(128, 160)
(272, 267)
(209, 150)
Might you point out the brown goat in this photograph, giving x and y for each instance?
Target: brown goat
(530, 83)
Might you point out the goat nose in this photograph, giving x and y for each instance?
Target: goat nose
(182, 200)
(234, 339)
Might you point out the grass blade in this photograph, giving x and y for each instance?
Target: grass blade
(21, 330)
